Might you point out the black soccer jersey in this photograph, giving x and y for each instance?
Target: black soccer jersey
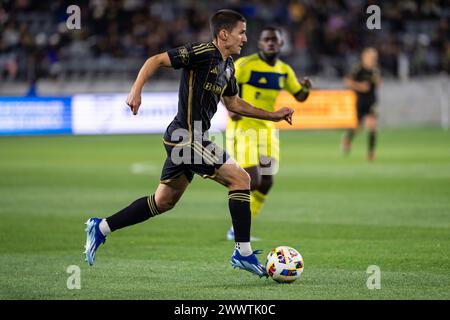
(358, 73)
(205, 78)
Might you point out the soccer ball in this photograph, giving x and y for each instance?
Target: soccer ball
(284, 264)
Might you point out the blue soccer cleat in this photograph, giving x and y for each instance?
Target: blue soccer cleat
(94, 238)
(249, 263)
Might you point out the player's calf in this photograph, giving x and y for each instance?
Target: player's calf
(258, 196)
(139, 211)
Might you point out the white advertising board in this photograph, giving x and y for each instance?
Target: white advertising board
(109, 114)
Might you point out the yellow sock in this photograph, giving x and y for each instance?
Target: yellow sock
(256, 202)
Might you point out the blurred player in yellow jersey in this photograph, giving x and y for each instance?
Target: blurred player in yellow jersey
(253, 142)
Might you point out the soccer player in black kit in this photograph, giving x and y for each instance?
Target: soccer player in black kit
(364, 80)
(207, 77)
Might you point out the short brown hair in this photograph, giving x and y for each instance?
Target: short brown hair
(225, 19)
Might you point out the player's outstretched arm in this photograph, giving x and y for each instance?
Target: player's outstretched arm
(147, 70)
(237, 105)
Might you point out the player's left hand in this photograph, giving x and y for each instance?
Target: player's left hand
(284, 114)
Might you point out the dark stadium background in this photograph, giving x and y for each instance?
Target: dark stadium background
(323, 37)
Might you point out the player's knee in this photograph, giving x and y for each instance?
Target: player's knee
(240, 181)
(166, 204)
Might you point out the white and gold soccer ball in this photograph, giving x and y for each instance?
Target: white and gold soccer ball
(284, 264)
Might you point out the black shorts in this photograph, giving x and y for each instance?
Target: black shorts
(364, 109)
(199, 157)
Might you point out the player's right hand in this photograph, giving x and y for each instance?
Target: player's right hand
(134, 101)
(284, 114)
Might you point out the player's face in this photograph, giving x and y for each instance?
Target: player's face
(369, 58)
(237, 38)
(270, 43)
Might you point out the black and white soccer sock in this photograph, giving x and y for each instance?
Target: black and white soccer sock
(104, 227)
(139, 211)
(244, 248)
(239, 205)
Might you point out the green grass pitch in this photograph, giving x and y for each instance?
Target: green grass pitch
(342, 214)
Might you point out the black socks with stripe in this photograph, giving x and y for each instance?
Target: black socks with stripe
(139, 211)
(239, 204)
(144, 208)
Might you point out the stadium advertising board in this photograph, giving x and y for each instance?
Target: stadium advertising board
(324, 109)
(35, 115)
(108, 113)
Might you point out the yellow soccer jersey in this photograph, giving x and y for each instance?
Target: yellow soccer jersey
(260, 84)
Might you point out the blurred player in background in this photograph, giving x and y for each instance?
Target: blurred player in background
(208, 75)
(364, 80)
(254, 142)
